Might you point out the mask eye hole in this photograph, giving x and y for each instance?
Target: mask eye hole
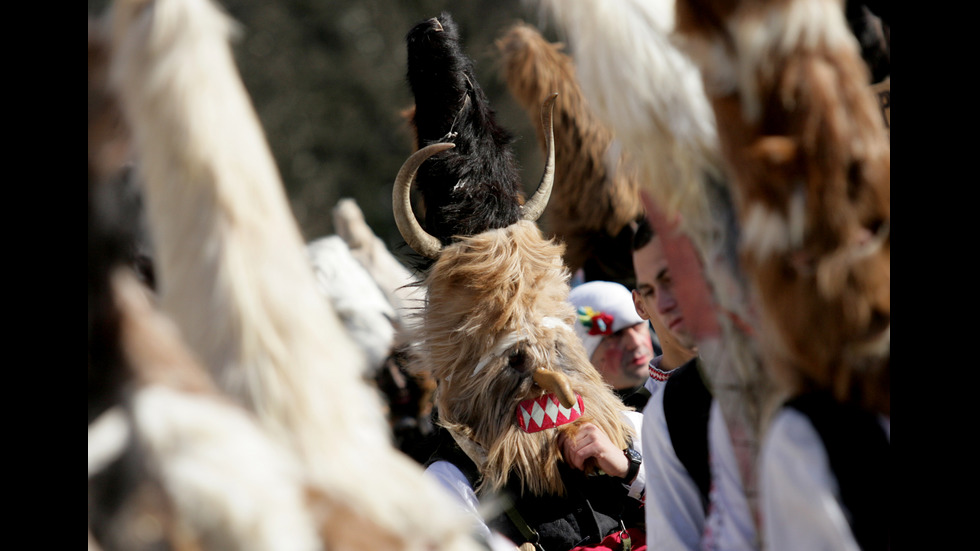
(517, 360)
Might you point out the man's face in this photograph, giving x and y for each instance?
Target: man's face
(654, 295)
(623, 358)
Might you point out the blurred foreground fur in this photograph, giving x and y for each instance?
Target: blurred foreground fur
(810, 164)
(755, 131)
(234, 280)
(650, 95)
(165, 446)
(408, 395)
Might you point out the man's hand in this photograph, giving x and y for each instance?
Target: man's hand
(590, 442)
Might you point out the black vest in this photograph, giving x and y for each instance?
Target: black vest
(592, 509)
(687, 406)
(858, 451)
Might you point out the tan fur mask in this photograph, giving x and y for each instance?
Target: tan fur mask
(497, 311)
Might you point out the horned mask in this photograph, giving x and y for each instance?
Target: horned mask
(497, 335)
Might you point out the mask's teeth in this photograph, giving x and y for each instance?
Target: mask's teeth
(546, 412)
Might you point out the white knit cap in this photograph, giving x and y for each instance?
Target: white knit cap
(602, 307)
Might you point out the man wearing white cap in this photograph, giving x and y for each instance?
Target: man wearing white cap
(616, 339)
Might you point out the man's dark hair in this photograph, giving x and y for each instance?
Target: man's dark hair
(642, 232)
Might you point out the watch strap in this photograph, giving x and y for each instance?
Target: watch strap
(634, 465)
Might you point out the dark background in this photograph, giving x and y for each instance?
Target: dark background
(327, 79)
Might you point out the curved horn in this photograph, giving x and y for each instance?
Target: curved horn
(535, 205)
(418, 239)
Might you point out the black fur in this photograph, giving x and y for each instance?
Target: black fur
(116, 237)
(476, 186)
(869, 22)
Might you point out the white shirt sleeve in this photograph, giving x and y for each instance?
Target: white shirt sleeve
(639, 484)
(458, 487)
(729, 526)
(799, 496)
(674, 515)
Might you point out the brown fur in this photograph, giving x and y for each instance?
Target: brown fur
(152, 344)
(802, 121)
(146, 516)
(132, 510)
(482, 290)
(590, 197)
(162, 503)
(108, 136)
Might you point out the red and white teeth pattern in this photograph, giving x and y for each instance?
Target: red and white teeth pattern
(545, 412)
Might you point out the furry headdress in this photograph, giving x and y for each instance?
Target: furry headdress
(497, 327)
(498, 310)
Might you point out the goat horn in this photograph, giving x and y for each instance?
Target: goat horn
(418, 239)
(556, 383)
(535, 205)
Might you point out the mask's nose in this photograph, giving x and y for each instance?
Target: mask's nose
(556, 383)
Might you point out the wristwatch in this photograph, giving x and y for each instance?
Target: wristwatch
(635, 460)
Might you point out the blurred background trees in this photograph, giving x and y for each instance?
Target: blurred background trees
(327, 79)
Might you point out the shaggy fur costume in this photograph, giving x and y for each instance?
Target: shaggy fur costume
(810, 163)
(497, 307)
(595, 196)
(497, 310)
(165, 446)
(650, 95)
(234, 278)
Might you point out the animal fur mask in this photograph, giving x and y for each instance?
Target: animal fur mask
(497, 327)
(497, 311)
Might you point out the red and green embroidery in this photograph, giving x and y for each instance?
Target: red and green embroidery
(599, 323)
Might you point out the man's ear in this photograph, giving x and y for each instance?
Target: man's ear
(638, 305)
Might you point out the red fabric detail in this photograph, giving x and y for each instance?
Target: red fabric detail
(529, 424)
(614, 542)
(658, 375)
(602, 324)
